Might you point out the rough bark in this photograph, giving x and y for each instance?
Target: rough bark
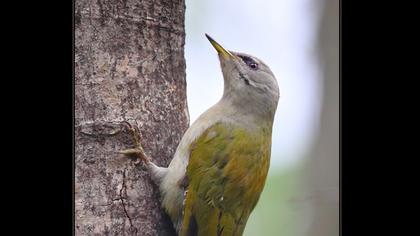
(129, 66)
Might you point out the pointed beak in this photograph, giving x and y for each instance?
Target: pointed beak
(220, 50)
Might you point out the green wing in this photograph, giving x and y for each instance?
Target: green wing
(226, 173)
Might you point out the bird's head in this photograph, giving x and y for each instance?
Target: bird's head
(249, 83)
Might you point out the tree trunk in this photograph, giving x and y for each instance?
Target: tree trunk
(129, 66)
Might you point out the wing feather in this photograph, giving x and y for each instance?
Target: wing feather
(226, 172)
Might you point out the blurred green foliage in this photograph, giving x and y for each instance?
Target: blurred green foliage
(276, 211)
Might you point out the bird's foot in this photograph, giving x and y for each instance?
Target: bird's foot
(138, 150)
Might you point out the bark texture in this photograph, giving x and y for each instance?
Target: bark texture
(129, 66)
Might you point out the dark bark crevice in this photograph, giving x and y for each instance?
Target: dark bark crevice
(123, 192)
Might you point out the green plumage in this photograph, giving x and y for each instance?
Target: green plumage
(227, 169)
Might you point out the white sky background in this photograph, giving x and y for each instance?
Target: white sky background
(282, 34)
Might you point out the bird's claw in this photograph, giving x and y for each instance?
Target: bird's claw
(138, 151)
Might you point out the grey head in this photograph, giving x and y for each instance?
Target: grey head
(249, 84)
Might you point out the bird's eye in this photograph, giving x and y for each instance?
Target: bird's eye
(249, 62)
(253, 65)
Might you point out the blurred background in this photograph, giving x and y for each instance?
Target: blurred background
(299, 40)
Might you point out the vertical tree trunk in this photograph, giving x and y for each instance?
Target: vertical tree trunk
(129, 66)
